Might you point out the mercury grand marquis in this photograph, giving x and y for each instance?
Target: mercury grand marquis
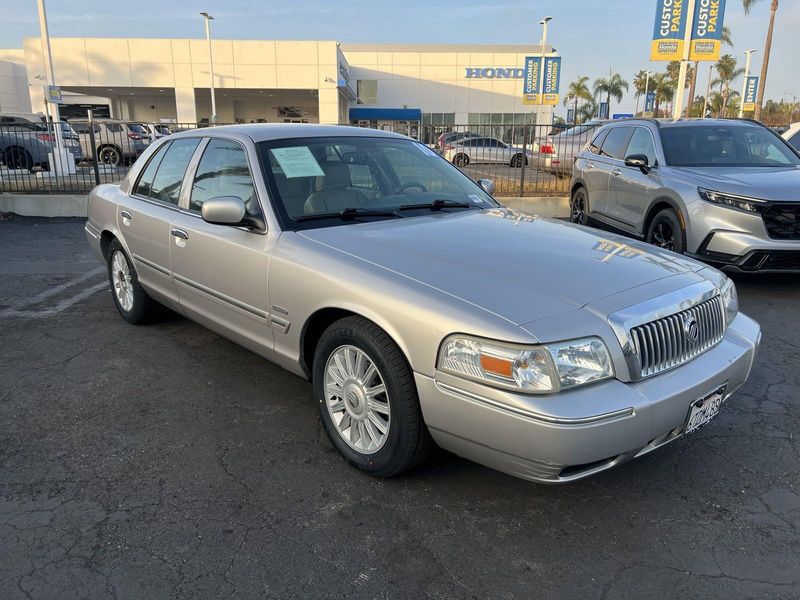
(422, 311)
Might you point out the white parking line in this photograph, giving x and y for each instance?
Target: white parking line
(59, 288)
(55, 309)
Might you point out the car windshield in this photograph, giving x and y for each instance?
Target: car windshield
(317, 179)
(725, 146)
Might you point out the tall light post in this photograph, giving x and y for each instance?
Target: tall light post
(749, 54)
(543, 23)
(677, 109)
(708, 90)
(208, 18)
(646, 88)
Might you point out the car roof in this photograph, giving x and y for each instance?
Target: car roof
(263, 132)
(693, 122)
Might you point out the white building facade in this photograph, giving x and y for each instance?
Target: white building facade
(168, 80)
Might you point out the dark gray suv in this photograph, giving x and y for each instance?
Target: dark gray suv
(725, 191)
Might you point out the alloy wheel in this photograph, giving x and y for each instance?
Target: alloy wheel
(121, 278)
(110, 156)
(663, 236)
(578, 208)
(357, 399)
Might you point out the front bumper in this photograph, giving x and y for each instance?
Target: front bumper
(574, 434)
(749, 252)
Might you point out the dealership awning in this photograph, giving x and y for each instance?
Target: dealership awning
(385, 114)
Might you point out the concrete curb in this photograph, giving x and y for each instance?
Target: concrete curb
(44, 205)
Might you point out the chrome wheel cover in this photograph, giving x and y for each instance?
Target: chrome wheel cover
(356, 399)
(121, 278)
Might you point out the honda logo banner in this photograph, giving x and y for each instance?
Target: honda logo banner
(709, 16)
(669, 30)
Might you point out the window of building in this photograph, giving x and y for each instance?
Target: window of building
(367, 90)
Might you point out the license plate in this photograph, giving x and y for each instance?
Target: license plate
(704, 410)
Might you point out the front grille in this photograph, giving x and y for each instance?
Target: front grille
(782, 221)
(665, 343)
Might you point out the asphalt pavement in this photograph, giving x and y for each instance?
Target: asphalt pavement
(165, 462)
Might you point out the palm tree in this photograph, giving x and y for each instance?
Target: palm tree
(587, 110)
(725, 37)
(613, 87)
(663, 88)
(578, 90)
(727, 72)
(639, 83)
(748, 4)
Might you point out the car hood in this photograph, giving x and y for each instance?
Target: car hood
(520, 267)
(768, 183)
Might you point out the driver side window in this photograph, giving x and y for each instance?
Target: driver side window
(642, 143)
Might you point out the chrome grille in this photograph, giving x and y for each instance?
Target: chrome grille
(664, 343)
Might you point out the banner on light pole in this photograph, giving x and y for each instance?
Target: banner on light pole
(750, 91)
(650, 102)
(709, 18)
(669, 30)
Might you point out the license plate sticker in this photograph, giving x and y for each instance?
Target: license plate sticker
(704, 410)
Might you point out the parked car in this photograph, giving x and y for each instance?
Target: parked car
(724, 191)
(156, 131)
(450, 137)
(792, 135)
(26, 142)
(116, 144)
(474, 150)
(421, 310)
(138, 131)
(557, 153)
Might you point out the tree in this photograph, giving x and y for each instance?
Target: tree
(578, 90)
(773, 9)
(725, 37)
(639, 83)
(727, 72)
(587, 111)
(663, 88)
(613, 87)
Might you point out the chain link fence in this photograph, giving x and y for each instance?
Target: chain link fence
(522, 160)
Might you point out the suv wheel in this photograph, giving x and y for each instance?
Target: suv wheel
(578, 207)
(109, 155)
(665, 231)
(461, 160)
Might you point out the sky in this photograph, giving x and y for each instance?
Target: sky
(593, 36)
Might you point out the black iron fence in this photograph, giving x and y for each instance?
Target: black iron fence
(522, 160)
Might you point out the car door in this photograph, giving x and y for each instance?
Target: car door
(221, 271)
(609, 159)
(629, 188)
(596, 169)
(144, 217)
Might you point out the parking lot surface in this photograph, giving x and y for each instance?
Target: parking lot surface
(165, 462)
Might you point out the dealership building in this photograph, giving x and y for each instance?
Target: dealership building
(169, 80)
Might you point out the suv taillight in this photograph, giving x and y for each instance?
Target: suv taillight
(547, 149)
(45, 137)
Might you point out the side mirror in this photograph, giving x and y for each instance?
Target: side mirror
(487, 185)
(639, 161)
(223, 210)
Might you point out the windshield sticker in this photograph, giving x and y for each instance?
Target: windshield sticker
(297, 161)
(478, 200)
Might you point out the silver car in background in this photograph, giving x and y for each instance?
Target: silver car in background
(421, 310)
(116, 143)
(722, 190)
(484, 150)
(557, 153)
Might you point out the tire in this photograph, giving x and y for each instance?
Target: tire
(665, 231)
(517, 161)
(461, 160)
(349, 421)
(18, 158)
(131, 300)
(579, 206)
(109, 155)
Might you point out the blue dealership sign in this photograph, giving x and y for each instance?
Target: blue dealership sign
(531, 75)
(552, 80)
(571, 116)
(603, 110)
(650, 102)
(750, 92)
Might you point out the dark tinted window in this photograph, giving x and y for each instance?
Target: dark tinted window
(795, 140)
(145, 184)
(597, 142)
(642, 143)
(223, 171)
(167, 182)
(114, 127)
(616, 141)
(725, 146)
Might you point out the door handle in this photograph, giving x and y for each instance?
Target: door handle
(616, 172)
(179, 233)
(125, 215)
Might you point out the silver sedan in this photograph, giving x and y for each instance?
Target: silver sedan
(422, 311)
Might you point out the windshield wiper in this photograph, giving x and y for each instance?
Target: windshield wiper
(348, 214)
(439, 205)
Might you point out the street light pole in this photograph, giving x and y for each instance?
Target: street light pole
(677, 109)
(708, 90)
(543, 23)
(749, 54)
(59, 159)
(208, 18)
(647, 89)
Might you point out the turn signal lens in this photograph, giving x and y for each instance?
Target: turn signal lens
(497, 366)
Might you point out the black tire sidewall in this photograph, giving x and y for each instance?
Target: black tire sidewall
(393, 457)
(671, 217)
(579, 190)
(141, 311)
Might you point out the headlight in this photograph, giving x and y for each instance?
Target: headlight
(743, 203)
(530, 369)
(730, 300)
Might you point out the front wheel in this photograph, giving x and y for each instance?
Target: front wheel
(518, 160)
(367, 399)
(578, 210)
(666, 232)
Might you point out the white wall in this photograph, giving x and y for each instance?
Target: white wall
(14, 87)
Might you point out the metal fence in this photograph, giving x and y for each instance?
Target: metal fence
(522, 160)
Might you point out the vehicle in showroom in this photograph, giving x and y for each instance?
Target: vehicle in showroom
(557, 153)
(421, 310)
(485, 150)
(26, 141)
(115, 144)
(721, 190)
(792, 135)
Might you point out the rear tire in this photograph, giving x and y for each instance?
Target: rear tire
(18, 158)
(132, 302)
(461, 160)
(518, 160)
(379, 432)
(666, 232)
(109, 155)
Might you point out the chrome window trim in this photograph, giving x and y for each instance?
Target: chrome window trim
(622, 321)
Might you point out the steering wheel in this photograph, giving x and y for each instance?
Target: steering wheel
(410, 184)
